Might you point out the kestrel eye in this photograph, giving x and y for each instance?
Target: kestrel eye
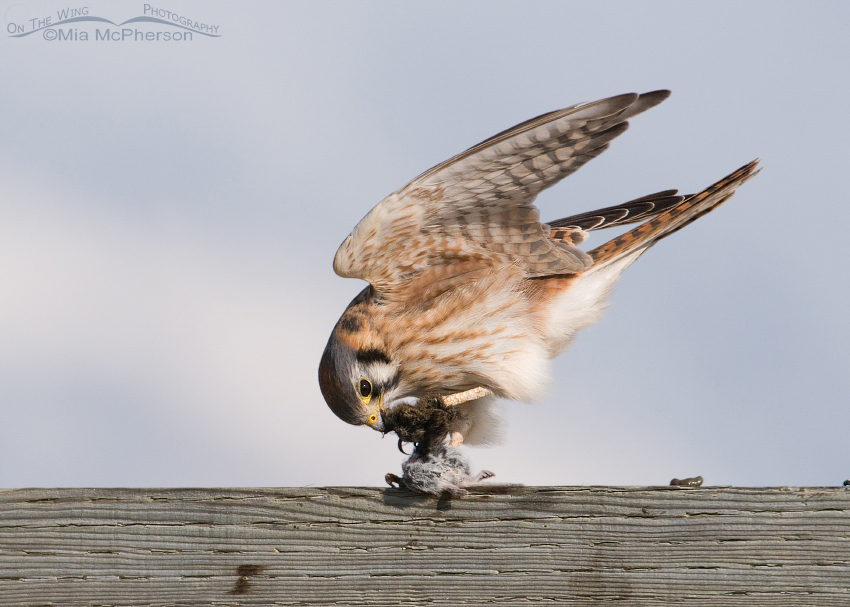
(365, 388)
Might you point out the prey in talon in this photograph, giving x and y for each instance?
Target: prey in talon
(468, 290)
(434, 466)
(425, 423)
(429, 420)
(443, 469)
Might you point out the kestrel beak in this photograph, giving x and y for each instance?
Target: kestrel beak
(375, 419)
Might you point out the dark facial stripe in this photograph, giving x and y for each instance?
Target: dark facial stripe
(390, 385)
(372, 355)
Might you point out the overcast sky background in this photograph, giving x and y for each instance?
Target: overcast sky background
(169, 214)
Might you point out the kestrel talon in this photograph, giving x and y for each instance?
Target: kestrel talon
(468, 289)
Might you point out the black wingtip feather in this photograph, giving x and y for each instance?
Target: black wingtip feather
(645, 207)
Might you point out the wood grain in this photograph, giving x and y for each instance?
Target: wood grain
(365, 546)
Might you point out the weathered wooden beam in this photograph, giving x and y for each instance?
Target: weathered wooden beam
(362, 546)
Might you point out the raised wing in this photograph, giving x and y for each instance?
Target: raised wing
(475, 211)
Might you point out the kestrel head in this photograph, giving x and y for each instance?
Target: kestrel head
(356, 378)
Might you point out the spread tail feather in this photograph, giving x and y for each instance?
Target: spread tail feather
(639, 209)
(673, 219)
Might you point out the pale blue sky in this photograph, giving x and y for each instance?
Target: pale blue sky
(169, 214)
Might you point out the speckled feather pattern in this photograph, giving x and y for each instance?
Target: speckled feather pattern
(461, 339)
(476, 209)
(468, 288)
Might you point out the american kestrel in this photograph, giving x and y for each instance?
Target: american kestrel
(469, 290)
